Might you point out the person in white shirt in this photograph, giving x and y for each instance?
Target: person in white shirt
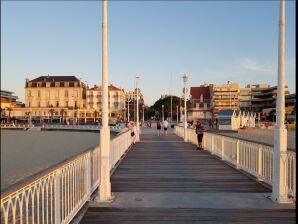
(133, 133)
(165, 126)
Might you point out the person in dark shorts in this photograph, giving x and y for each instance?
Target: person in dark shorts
(200, 132)
(158, 125)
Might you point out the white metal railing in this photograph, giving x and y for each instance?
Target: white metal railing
(14, 126)
(79, 127)
(56, 195)
(256, 159)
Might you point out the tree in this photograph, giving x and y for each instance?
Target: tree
(51, 112)
(62, 115)
(156, 108)
(9, 109)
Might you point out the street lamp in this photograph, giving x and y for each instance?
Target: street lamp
(104, 192)
(143, 114)
(230, 94)
(279, 185)
(162, 111)
(185, 78)
(177, 113)
(138, 123)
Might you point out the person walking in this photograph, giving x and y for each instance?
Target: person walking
(200, 131)
(165, 126)
(158, 126)
(133, 130)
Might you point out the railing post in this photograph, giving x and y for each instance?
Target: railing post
(89, 173)
(57, 190)
(222, 148)
(260, 165)
(238, 154)
(212, 144)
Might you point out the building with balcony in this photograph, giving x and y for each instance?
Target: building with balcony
(200, 99)
(116, 100)
(224, 97)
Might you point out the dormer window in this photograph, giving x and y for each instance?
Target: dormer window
(48, 84)
(57, 84)
(201, 98)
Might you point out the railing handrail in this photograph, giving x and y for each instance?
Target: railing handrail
(41, 174)
(243, 139)
(255, 158)
(32, 178)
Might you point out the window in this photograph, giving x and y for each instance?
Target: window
(66, 93)
(75, 103)
(76, 84)
(48, 104)
(57, 84)
(66, 103)
(39, 84)
(29, 93)
(29, 104)
(48, 84)
(66, 84)
(38, 93)
(57, 103)
(224, 121)
(38, 104)
(75, 93)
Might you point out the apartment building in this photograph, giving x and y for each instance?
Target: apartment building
(224, 97)
(200, 103)
(258, 97)
(116, 100)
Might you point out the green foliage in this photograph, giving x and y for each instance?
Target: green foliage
(156, 108)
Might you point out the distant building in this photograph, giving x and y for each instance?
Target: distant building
(131, 99)
(259, 98)
(200, 103)
(116, 100)
(8, 104)
(224, 97)
(290, 108)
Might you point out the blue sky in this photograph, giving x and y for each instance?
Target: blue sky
(213, 41)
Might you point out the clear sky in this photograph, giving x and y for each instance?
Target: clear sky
(213, 41)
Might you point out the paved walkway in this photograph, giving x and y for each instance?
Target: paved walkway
(164, 180)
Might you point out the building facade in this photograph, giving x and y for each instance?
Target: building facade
(224, 97)
(200, 103)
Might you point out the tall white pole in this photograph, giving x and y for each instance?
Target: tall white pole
(279, 186)
(138, 122)
(171, 100)
(177, 113)
(105, 184)
(185, 110)
(143, 114)
(128, 114)
(162, 112)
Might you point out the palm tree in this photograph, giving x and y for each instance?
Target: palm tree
(62, 115)
(9, 109)
(51, 112)
(95, 115)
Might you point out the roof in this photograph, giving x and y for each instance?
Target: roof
(113, 88)
(55, 79)
(196, 92)
(225, 113)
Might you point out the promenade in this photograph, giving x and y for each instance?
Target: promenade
(165, 180)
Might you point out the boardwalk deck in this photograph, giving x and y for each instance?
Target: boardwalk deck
(159, 166)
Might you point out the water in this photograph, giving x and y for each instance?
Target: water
(24, 153)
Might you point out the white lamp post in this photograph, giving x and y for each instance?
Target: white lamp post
(279, 186)
(143, 114)
(138, 122)
(162, 112)
(230, 95)
(177, 113)
(185, 78)
(105, 184)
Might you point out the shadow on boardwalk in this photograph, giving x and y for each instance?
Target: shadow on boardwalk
(164, 180)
